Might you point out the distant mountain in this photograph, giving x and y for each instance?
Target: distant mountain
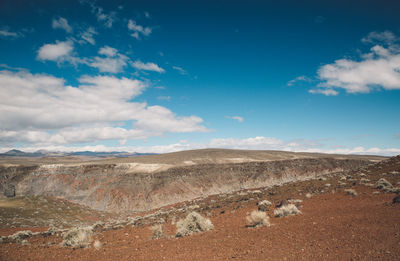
(118, 154)
(19, 153)
(44, 153)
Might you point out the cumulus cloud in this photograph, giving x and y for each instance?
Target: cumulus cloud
(138, 30)
(112, 61)
(55, 52)
(108, 51)
(109, 60)
(61, 23)
(385, 37)
(238, 118)
(378, 69)
(147, 66)
(42, 109)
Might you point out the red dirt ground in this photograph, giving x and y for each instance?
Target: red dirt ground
(332, 226)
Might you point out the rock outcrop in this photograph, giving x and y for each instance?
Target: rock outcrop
(121, 188)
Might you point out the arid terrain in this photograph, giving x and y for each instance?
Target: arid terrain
(135, 208)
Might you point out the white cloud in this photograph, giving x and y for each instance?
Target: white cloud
(301, 78)
(326, 92)
(147, 66)
(110, 60)
(113, 62)
(253, 143)
(376, 37)
(42, 110)
(88, 36)
(164, 98)
(108, 51)
(106, 18)
(138, 29)
(378, 69)
(55, 52)
(6, 33)
(61, 23)
(180, 70)
(238, 118)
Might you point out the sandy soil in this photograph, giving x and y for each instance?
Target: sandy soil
(332, 226)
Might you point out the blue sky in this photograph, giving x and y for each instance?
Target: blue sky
(160, 76)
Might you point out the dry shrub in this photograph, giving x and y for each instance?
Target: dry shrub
(78, 237)
(158, 231)
(263, 205)
(351, 192)
(257, 219)
(20, 235)
(364, 181)
(383, 184)
(193, 223)
(286, 210)
(97, 244)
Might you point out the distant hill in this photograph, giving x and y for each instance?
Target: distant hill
(100, 154)
(19, 153)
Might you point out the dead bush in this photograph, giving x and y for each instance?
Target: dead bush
(286, 210)
(97, 244)
(78, 237)
(383, 184)
(351, 192)
(263, 205)
(193, 223)
(158, 231)
(257, 219)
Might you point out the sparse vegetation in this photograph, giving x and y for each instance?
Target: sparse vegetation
(286, 210)
(193, 223)
(263, 205)
(158, 231)
(364, 181)
(97, 244)
(20, 236)
(257, 219)
(295, 201)
(77, 237)
(351, 192)
(384, 185)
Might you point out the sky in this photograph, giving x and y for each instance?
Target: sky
(163, 76)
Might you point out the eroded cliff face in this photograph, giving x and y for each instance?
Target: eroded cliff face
(128, 188)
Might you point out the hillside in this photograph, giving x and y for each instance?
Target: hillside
(127, 185)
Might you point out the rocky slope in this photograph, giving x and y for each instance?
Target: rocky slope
(159, 180)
